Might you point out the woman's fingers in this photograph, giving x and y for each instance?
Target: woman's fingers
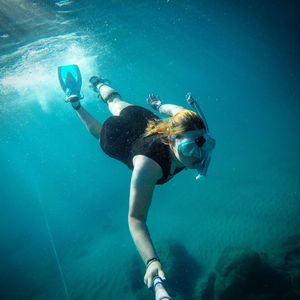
(148, 281)
(161, 274)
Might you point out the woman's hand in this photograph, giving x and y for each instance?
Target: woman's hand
(154, 101)
(153, 270)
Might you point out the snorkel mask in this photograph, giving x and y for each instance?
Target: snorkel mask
(198, 146)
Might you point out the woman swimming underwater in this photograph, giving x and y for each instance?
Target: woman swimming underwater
(155, 149)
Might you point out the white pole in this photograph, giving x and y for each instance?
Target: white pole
(159, 290)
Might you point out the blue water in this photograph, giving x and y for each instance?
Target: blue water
(241, 60)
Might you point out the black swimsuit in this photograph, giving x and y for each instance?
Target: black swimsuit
(122, 138)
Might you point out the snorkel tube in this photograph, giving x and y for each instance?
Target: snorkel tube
(210, 142)
(159, 290)
(194, 104)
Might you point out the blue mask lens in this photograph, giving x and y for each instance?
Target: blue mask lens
(189, 149)
(200, 148)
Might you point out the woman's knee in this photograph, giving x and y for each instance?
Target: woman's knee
(113, 100)
(117, 105)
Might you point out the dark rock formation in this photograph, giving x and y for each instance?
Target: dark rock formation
(243, 274)
(286, 256)
(183, 271)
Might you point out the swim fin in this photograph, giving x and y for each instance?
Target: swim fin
(70, 81)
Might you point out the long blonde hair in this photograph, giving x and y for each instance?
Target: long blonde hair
(177, 125)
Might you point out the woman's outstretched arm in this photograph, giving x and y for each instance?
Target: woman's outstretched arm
(92, 125)
(170, 109)
(167, 109)
(145, 174)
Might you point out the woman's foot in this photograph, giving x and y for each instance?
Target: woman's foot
(75, 101)
(101, 86)
(96, 83)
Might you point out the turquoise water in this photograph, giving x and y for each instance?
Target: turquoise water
(240, 60)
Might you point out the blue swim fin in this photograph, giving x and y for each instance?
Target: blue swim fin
(70, 81)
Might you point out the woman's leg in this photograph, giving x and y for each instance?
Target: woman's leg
(93, 126)
(115, 105)
(112, 98)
